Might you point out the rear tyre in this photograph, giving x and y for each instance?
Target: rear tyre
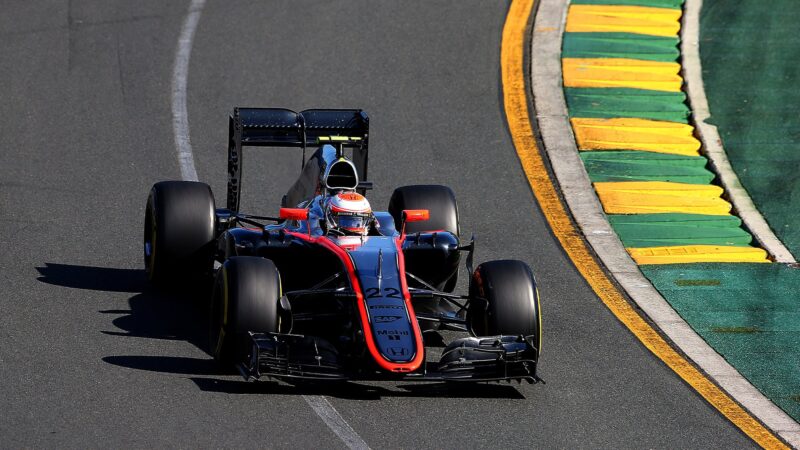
(439, 200)
(179, 232)
(512, 301)
(246, 294)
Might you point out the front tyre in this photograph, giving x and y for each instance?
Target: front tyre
(247, 291)
(179, 231)
(511, 301)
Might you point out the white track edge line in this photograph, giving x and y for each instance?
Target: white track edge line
(559, 145)
(180, 75)
(712, 142)
(180, 126)
(335, 422)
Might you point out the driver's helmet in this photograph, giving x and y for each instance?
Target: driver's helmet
(348, 213)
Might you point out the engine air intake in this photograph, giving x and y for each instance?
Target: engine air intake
(341, 175)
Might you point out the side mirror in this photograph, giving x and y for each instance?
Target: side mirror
(293, 214)
(416, 215)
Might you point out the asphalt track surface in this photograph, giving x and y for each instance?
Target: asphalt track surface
(91, 356)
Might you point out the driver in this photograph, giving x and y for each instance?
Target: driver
(348, 213)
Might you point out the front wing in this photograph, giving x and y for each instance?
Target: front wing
(292, 356)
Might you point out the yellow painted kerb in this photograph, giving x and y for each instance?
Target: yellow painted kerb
(518, 117)
(635, 134)
(621, 73)
(682, 254)
(646, 197)
(624, 19)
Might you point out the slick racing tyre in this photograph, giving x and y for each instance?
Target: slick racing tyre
(511, 301)
(247, 290)
(439, 200)
(179, 232)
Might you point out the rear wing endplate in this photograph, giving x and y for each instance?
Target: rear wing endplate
(278, 127)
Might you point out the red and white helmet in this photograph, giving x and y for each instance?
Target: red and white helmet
(348, 213)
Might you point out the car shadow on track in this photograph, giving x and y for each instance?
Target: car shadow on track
(153, 313)
(183, 315)
(359, 391)
(93, 278)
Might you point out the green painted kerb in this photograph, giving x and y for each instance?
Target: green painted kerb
(620, 45)
(645, 166)
(608, 103)
(661, 230)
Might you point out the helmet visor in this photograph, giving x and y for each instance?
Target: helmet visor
(351, 222)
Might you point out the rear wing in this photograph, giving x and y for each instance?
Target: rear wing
(278, 127)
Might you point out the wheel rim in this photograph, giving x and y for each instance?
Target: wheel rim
(149, 244)
(217, 331)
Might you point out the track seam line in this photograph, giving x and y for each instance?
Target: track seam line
(180, 125)
(552, 118)
(712, 142)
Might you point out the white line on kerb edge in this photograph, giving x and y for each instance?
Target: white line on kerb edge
(180, 125)
(712, 143)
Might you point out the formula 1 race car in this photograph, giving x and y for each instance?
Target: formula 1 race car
(333, 290)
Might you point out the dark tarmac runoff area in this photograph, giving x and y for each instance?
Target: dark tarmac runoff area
(92, 356)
